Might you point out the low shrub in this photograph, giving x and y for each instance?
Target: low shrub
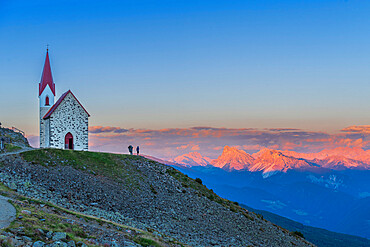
(297, 233)
(198, 180)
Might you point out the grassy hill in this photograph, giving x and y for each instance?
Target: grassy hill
(139, 193)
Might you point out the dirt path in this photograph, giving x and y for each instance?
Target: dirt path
(17, 152)
(7, 212)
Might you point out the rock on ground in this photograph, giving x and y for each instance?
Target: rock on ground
(7, 212)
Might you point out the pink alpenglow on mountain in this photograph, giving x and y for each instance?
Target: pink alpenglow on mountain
(354, 153)
(271, 161)
(342, 163)
(233, 159)
(192, 159)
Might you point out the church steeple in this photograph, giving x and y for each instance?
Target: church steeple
(47, 78)
(46, 99)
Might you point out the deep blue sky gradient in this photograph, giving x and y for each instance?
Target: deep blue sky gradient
(160, 64)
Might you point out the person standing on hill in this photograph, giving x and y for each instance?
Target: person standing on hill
(130, 148)
(137, 150)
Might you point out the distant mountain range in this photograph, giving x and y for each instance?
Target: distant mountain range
(192, 159)
(329, 189)
(272, 161)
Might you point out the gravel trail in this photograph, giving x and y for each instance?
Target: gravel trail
(17, 152)
(7, 212)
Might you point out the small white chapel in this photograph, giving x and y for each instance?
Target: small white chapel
(64, 124)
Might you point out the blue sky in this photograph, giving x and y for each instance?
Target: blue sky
(179, 64)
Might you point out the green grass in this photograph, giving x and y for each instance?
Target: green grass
(3, 189)
(115, 166)
(11, 148)
(39, 219)
(145, 241)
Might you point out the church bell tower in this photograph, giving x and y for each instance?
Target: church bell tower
(46, 99)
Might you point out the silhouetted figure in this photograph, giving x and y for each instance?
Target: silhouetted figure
(137, 150)
(130, 148)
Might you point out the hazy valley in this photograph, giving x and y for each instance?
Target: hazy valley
(329, 189)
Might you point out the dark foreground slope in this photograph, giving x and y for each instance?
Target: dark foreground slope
(141, 193)
(318, 236)
(38, 223)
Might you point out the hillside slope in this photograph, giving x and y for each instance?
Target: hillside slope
(39, 223)
(13, 141)
(140, 193)
(318, 236)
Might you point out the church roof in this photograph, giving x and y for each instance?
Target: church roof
(55, 106)
(46, 78)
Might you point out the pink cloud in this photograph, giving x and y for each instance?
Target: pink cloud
(149, 144)
(107, 129)
(276, 146)
(320, 140)
(218, 148)
(195, 148)
(365, 129)
(351, 143)
(172, 142)
(183, 147)
(290, 146)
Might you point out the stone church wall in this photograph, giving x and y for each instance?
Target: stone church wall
(69, 116)
(43, 127)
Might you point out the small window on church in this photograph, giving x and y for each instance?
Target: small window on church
(47, 100)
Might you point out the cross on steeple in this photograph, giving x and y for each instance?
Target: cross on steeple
(47, 47)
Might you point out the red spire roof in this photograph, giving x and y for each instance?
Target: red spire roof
(47, 78)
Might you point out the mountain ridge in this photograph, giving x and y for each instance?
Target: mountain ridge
(233, 159)
(270, 161)
(192, 159)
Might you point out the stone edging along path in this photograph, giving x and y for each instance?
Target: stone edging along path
(7, 212)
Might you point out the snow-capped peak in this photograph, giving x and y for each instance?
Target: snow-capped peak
(233, 159)
(192, 159)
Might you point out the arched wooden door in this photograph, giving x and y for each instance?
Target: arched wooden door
(69, 141)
